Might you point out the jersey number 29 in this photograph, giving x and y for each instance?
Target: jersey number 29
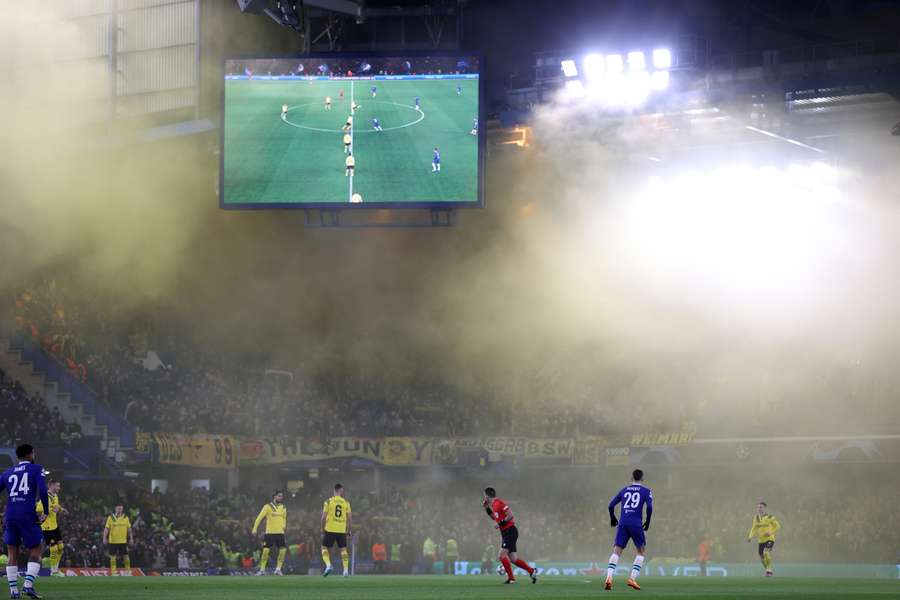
(631, 500)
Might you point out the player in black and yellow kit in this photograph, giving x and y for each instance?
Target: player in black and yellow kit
(117, 534)
(50, 527)
(764, 528)
(275, 515)
(336, 529)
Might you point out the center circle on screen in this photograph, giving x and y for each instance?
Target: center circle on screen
(417, 111)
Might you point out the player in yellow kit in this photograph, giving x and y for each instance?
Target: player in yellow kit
(336, 529)
(764, 528)
(117, 535)
(275, 515)
(50, 527)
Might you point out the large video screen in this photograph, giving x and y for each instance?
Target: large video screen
(352, 132)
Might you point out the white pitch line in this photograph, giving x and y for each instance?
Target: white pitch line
(352, 127)
(411, 123)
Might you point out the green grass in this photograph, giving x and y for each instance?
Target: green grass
(269, 161)
(475, 587)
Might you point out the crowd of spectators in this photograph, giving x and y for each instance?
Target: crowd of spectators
(152, 373)
(201, 530)
(27, 417)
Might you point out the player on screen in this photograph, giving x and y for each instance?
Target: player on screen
(275, 515)
(327, 102)
(376, 124)
(336, 517)
(474, 126)
(631, 526)
(374, 91)
(347, 141)
(50, 527)
(349, 124)
(354, 107)
(350, 163)
(764, 528)
(25, 486)
(117, 536)
(458, 90)
(284, 109)
(417, 103)
(341, 93)
(436, 160)
(499, 511)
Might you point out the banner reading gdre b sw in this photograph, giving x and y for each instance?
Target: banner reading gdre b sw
(351, 132)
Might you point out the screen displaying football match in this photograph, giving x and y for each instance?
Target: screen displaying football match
(357, 131)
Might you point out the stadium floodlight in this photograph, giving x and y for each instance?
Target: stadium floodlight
(569, 69)
(659, 80)
(636, 61)
(574, 88)
(662, 58)
(614, 64)
(593, 66)
(636, 88)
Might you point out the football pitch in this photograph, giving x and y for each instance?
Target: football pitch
(478, 587)
(300, 158)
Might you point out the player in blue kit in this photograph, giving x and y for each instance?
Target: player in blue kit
(631, 525)
(24, 483)
(458, 90)
(436, 161)
(474, 126)
(376, 125)
(374, 91)
(417, 103)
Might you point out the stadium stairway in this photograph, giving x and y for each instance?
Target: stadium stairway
(41, 373)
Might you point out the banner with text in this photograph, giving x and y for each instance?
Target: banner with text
(197, 450)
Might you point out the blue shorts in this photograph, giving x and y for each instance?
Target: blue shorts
(20, 532)
(630, 531)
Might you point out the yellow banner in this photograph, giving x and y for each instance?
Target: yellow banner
(662, 439)
(198, 450)
(589, 451)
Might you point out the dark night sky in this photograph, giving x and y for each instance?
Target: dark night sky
(508, 32)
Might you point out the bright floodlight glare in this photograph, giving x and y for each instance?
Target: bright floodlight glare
(574, 88)
(659, 80)
(569, 69)
(614, 63)
(593, 66)
(748, 231)
(636, 61)
(662, 58)
(636, 88)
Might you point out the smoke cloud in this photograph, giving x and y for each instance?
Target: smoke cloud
(544, 296)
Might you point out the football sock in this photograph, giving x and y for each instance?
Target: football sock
(524, 566)
(508, 567)
(12, 578)
(636, 567)
(264, 559)
(59, 555)
(282, 552)
(326, 557)
(345, 558)
(53, 552)
(127, 562)
(31, 574)
(112, 565)
(613, 562)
